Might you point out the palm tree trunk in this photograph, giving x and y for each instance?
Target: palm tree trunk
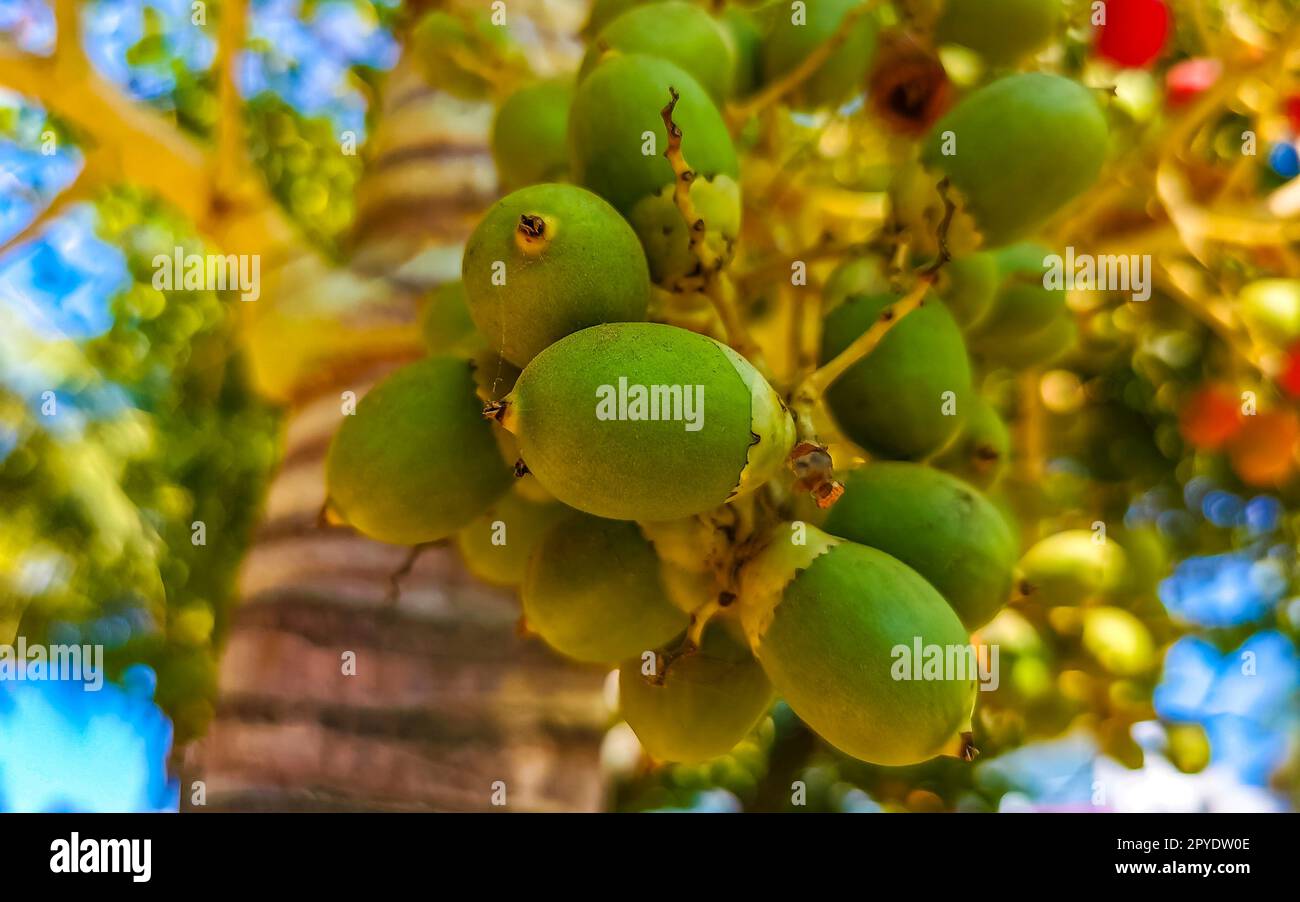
(445, 706)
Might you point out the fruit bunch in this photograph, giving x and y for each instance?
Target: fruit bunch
(717, 431)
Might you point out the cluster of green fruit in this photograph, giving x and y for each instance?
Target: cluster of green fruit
(657, 519)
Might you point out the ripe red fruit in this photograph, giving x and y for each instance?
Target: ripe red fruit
(1134, 32)
(1292, 106)
(1209, 418)
(1185, 81)
(1289, 378)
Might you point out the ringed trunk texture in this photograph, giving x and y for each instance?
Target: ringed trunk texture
(334, 696)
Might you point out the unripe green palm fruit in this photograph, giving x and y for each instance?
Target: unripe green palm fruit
(894, 402)
(729, 434)
(680, 32)
(1072, 566)
(1001, 31)
(666, 237)
(615, 113)
(605, 11)
(938, 525)
(833, 624)
(1022, 147)
(982, 449)
(547, 261)
(707, 702)
(445, 322)
(416, 462)
(746, 38)
(861, 275)
(1022, 304)
(793, 31)
(593, 592)
(530, 135)
(1045, 346)
(496, 547)
(968, 286)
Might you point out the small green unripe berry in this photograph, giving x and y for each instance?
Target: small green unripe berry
(896, 402)
(416, 462)
(496, 546)
(1022, 305)
(827, 619)
(642, 421)
(746, 38)
(1070, 567)
(939, 526)
(593, 592)
(445, 322)
(549, 260)
(682, 33)
(860, 275)
(1020, 149)
(1001, 31)
(617, 137)
(706, 703)
(666, 236)
(787, 42)
(968, 286)
(530, 135)
(982, 449)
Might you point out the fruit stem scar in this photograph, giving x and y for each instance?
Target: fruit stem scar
(532, 234)
(741, 113)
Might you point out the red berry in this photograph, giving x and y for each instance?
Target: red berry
(1263, 452)
(1209, 418)
(1185, 81)
(1293, 112)
(1134, 31)
(1289, 378)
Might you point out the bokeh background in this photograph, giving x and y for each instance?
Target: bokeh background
(317, 135)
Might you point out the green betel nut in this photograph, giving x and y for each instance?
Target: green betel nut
(902, 401)
(446, 325)
(416, 462)
(1017, 150)
(939, 526)
(642, 421)
(705, 704)
(496, 546)
(549, 260)
(795, 30)
(983, 447)
(666, 236)
(1001, 31)
(833, 624)
(682, 33)
(593, 592)
(530, 135)
(617, 137)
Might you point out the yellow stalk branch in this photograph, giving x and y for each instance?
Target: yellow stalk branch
(814, 386)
